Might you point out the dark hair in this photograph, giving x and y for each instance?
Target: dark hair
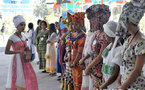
(43, 22)
(30, 25)
(131, 22)
(60, 18)
(38, 21)
(52, 28)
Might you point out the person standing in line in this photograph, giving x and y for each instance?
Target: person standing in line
(75, 48)
(58, 66)
(37, 30)
(133, 53)
(30, 40)
(21, 75)
(50, 55)
(111, 57)
(3, 31)
(98, 15)
(41, 44)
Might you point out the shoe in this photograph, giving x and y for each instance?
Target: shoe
(44, 71)
(59, 78)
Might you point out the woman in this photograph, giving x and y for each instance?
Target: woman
(75, 48)
(111, 57)
(21, 75)
(98, 45)
(30, 40)
(58, 66)
(95, 24)
(50, 55)
(133, 53)
(41, 44)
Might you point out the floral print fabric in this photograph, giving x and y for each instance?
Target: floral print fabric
(129, 58)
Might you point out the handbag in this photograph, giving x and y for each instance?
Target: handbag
(27, 56)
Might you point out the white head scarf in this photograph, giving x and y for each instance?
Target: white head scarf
(110, 28)
(17, 20)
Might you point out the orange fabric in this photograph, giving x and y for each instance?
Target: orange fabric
(77, 47)
(78, 17)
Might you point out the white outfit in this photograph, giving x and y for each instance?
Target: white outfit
(30, 40)
(51, 54)
(20, 76)
(109, 62)
(87, 82)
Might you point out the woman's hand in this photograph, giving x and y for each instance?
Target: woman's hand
(81, 61)
(47, 41)
(103, 87)
(87, 71)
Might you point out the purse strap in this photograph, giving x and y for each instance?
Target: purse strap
(21, 39)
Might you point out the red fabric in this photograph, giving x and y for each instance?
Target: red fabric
(78, 17)
(29, 74)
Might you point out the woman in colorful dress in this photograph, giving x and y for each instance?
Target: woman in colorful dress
(41, 44)
(133, 53)
(21, 75)
(50, 55)
(92, 14)
(58, 67)
(67, 81)
(97, 46)
(75, 48)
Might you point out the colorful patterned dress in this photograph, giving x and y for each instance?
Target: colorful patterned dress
(129, 58)
(21, 75)
(41, 44)
(76, 46)
(50, 55)
(96, 71)
(67, 80)
(62, 51)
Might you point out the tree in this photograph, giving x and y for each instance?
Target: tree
(40, 9)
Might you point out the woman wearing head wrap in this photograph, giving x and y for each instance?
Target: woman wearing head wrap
(97, 15)
(75, 48)
(41, 44)
(111, 58)
(133, 53)
(21, 75)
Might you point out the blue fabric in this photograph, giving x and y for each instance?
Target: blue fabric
(58, 67)
(62, 26)
(65, 13)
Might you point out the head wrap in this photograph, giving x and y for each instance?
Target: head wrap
(79, 17)
(98, 15)
(134, 15)
(17, 20)
(64, 15)
(110, 28)
(67, 20)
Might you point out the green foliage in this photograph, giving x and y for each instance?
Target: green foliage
(41, 10)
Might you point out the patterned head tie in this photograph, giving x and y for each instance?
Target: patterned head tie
(98, 15)
(131, 12)
(79, 17)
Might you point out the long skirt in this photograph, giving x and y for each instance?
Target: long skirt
(21, 75)
(58, 66)
(50, 57)
(77, 77)
(41, 53)
(67, 80)
(62, 52)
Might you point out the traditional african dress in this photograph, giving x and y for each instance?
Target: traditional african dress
(76, 45)
(50, 55)
(129, 58)
(21, 74)
(41, 44)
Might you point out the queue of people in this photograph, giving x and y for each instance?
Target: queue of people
(87, 61)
